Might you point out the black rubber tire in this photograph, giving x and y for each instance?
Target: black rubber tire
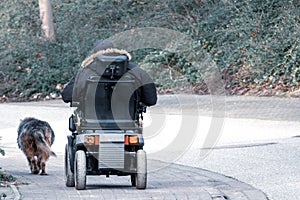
(69, 175)
(133, 181)
(80, 170)
(141, 175)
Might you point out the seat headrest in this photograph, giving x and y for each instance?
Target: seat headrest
(112, 67)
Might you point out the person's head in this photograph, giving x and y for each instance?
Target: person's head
(102, 45)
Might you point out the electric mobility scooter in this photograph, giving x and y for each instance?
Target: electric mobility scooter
(106, 132)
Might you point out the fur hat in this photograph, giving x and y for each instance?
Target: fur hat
(113, 51)
(100, 45)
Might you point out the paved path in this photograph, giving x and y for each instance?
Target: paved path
(170, 181)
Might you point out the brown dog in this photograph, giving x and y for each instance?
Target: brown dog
(35, 138)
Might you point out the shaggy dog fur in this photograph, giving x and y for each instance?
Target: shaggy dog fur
(35, 138)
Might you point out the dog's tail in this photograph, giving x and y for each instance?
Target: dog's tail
(42, 144)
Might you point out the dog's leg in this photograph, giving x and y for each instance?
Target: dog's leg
(43, 166)
(43, 159)
(39, 163)
(32, 162)
(35, 167)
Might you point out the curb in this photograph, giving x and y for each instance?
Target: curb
(248, 190)
(218, 185)
(17, 195)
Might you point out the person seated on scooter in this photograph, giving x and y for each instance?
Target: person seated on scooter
(147, 90)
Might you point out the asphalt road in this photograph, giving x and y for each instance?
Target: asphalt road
(273, 166)
(248, 138)
(259, 143)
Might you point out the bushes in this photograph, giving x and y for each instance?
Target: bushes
(254, 43)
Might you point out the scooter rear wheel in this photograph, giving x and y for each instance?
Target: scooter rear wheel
(80, 170)
(141, 175)
(69, 175)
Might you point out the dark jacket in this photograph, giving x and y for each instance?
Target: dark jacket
(146, 88)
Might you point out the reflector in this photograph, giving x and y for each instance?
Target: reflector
(89, 140)
(133, 140)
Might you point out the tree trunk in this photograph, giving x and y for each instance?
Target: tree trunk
(46, 17)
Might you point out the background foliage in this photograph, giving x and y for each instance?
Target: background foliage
(254, 43)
